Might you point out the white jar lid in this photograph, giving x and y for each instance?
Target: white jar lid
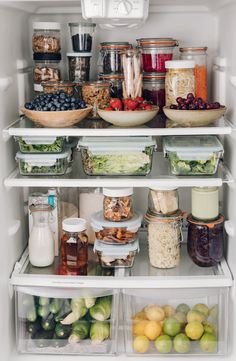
(164, 188)
(46, 26)
(74, 224)
(118, 192)
(179, 64)
(78, 55)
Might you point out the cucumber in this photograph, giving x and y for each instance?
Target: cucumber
(33, 327)
(31, 314)
(48, 323)
(55, 305)
(43, 311)
(62, 331)
(64, 310)
(43, 338)
(44, 301)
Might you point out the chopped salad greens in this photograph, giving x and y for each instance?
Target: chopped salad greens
(55, 147)
(56, 169)
(188, 167)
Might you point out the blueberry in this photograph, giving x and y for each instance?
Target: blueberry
(45, 109)
(28, 105)
(62, 95)
(63, 108)
(53, 108)
(68, 100)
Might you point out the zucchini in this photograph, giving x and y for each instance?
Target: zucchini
(43, 311)
(48, 323)
(62, 331)
(44, 301)
(43, 338)
(31, 314)
(33, 327)
(64, 310)
(55, 305)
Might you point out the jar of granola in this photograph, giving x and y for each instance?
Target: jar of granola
(46, 67)
(118, 204)
(96, 93)
(46, 37)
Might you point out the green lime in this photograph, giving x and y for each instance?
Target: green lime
(171, 326)
(181, 343)
(163, 344)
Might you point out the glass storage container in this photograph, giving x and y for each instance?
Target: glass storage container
(117, 155)
(46, 67)
(116, 256)
(131, 62)
(154, 88)
(199, 56)
(118, 233)
(116, 81)
(205, 241)
(36, 144)
(164, 238)
(110, 57)
(74, 245)
(42, 164)
(54, 86)
(163, 201)
(96, 93)
(180, 80)
(205, 203)
(198, 155)
(46, 37)
(155, 52)
(118, 204)
(158, 322)
(82, 36)
(79, 66)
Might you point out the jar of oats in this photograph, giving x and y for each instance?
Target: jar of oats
(96, 93)
(164, 238)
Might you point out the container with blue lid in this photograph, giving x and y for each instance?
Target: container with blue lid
(198, 155)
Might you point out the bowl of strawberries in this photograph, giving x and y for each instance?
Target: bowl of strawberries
(128, 112)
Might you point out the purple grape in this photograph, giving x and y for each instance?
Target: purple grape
(208, 106)
(200, 100)
(216, 105)
(202, 106)
(190, 96)
(191, 107)
(184, 107)
(179, 100)
(179, 107)
(173, 106)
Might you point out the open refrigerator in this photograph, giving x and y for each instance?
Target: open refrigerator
(201, 22)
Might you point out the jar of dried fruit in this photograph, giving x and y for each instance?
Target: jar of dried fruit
(96, 93)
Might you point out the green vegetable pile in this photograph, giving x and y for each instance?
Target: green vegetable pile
(57, 322)
(58, 168)
(56, 147)
(194, 167)
(136, 163)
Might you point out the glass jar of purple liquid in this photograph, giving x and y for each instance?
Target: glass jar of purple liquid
(154, 88)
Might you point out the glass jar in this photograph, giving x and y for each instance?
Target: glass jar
(46, 67)
(154, 88)
(118, 204)
(41, 241)
(180, 80)
(46, 37)
(205, 241)
(110, 57)
(74, 244)
(116, 81)
(164, 238)
(131, 61)
(82, 36)
(155, 52)
(205, 203)
(199, 56)
(54, 86)
(96, 93)
(163, 201)
(79, 66)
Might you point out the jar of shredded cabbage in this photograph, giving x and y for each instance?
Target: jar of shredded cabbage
(180, 80)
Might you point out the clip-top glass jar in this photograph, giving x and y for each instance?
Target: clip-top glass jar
(180, 80)
(154, 88)
(205, 241)
(116, 81)
(74, 245)
(199, 56)
(46, 37)
(164, 238)
(110, 56)
(96, 93)
(118, 204)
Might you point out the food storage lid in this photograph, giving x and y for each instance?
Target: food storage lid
(47, 56)
(118, 192)
(98, 83)
(57, 83)
(38, 139)
(163, 188)
(83, 24)
(105, 145)
(46, 26)
(98, 222)
(151, 217)
(115, 45)
(193, 49)
(193, 148)
(74, 224)
(157, 42)
(116, 250)
(212, 224)
(180, 64)
(41, 207)
(41, 160)
(111, 76)
(78, 55)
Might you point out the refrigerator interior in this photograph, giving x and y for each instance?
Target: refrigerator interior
(193, 23)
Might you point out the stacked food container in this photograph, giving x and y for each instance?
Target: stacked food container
(116, 229)
(46, 46)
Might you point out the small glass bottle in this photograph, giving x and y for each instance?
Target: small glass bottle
(198, 54)
(74, 245)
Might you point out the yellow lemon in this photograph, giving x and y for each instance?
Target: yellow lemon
(194, 330)
(152, 330)
(138, 327)
(141, 344)
(169, 310)
(195, 315)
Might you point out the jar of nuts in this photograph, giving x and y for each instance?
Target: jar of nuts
(46, 37)
(52, 86)
(96, 93)
(46, 67)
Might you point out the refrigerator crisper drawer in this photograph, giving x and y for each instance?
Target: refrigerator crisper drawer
(186, 321)
(45, 323)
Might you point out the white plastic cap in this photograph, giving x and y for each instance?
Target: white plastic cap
(118, 192)
(46, 26)
(78, 55)
(163, 188)
(179, 64)
(74, 224)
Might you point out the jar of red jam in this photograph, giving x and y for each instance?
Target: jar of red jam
(155, 52)
(154, 88)
(205, 241)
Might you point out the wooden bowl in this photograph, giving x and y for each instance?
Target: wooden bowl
(126, 118)
(194, 118)
(57, 119)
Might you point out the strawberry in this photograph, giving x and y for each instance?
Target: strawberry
(148, 107)
(108, 108)
(139, 100)
(131, 104)
(116, 104)
(142, 106)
